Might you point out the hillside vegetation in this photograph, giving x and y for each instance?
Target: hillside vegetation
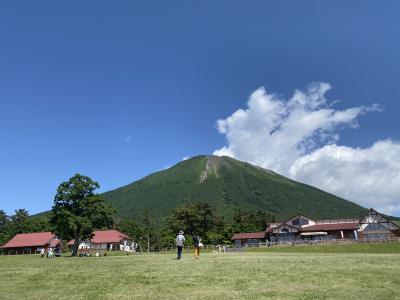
(226, 184)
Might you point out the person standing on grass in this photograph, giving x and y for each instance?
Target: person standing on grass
(50, 253)
(196, 244)
(180, 241)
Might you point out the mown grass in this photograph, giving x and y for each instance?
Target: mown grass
(246, 275)
(389, 247)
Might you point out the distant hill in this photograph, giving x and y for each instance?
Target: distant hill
(226, 184)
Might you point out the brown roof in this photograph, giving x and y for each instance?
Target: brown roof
(36, 239)
(250, 235)
(328, 227)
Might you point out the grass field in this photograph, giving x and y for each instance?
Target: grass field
(384, 248)
(272, 273)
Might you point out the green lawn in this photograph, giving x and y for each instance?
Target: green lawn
(245, 275)
(329, 248)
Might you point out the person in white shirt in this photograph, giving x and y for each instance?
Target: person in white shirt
(50, 253)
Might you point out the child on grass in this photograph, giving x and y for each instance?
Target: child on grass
(197, 244)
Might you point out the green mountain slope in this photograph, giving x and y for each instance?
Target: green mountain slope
(226, 184)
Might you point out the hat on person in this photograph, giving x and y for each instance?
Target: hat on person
(181, 232)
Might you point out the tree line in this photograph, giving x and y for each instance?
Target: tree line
(21, 222)
(78, 210)
(195, 218)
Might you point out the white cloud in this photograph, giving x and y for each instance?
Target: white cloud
(185, 158)
(297, 138)
(369, 176)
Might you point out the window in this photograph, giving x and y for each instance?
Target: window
(300, 221)
(375, 227)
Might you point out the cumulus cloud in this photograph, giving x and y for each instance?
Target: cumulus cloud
(297, 138)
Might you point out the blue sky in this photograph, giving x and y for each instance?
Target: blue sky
(119, 90)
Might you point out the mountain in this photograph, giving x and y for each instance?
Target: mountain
(226, 184)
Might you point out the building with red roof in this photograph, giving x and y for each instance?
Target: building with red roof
(373, 226)
(30, 243)
(106, 240)
(242, 239)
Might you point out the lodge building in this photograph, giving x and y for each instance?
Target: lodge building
(373, 226)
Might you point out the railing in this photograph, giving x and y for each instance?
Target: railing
(205, 248)
(327, 221)
(230, 248)
(319, 242)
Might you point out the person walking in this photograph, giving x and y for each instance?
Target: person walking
(196, 244)
(180, 241)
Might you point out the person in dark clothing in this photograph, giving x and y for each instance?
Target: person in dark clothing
(196, 244)
(180, 241)
(57, 252)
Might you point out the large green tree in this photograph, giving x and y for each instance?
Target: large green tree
(20, 221)
(148, 227)
(78, 210)
(3, 218)
(184, 218)
(131, 228)
(5, 229)
(250, 221)
(199, 218)
(206, 216)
